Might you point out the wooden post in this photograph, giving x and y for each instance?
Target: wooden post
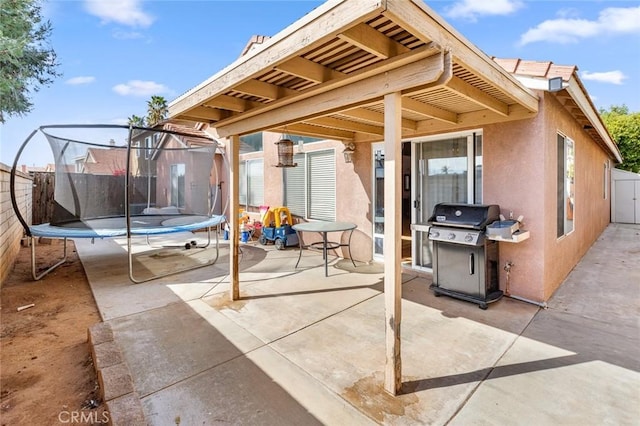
(392, 240)
(234, 234)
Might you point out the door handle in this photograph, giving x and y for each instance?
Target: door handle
(471, 264)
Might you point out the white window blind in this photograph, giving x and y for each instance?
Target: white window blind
(310, 188)
(322, 185)
(255, 182)
(295, 197)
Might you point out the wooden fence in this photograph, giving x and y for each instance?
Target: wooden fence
(85, 195)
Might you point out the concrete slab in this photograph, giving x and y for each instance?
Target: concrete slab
(302, 348)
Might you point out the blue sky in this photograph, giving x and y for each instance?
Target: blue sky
(116, 54)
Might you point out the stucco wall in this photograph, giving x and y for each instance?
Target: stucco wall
(520, 169)
(592, 211)
(513, 178)
(11, 230)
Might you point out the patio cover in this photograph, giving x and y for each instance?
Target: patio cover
(358, 70)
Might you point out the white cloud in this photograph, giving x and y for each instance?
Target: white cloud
(125, 12)
(612, 77)
(76, 81)
(472, 9)
(611, 21)
(140, 88)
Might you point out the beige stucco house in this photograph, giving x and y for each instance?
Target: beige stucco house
(431, 119)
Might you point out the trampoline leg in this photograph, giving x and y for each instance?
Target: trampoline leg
(34, 274)
(210, 262)
(349, 249)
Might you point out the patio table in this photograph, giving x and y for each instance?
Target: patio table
(323, 228)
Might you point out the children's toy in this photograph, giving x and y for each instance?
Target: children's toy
(276, 227)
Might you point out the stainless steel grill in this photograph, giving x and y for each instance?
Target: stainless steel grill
(465, 262)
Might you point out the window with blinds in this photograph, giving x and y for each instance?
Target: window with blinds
(251, 179)
(310, 188)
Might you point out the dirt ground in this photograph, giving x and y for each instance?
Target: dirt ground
(46, 371)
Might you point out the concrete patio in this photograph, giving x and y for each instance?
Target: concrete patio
(299, 348)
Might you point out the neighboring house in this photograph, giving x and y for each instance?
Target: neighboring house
(429, 118)
(178, 167)
(102, 161)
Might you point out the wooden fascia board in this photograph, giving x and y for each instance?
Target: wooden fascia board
(429, 110)
(308, 70)
(304, 129)
(323, 23)
(335, 99)
(337, 123)
(373, 41)
(376, 117)
(368, 72)
(420, 20)
(578, 93)
(472, 93)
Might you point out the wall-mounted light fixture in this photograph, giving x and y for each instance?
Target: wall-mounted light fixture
(349, 149)
(285, 152)
(555, 84)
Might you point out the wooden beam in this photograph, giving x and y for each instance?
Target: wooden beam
(234, 209)
(376, 117)
(392, 244)
(231, 103)
(429, 110)
(373, 41)
(477, 96)
(211, 114)
(308, 70)
(351, 126)
(305, 129)
(261, 89)
(415, 73)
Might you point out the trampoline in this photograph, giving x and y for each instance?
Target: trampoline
(127, 181)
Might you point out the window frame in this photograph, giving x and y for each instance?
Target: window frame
(250, 188)
(565, 182)
(173, 167)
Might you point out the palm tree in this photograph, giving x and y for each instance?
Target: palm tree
(135, 120)
(157, 110)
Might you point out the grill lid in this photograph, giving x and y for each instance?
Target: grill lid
(472, 216)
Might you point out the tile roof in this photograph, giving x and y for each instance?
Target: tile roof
(105, 161)
(545, 69)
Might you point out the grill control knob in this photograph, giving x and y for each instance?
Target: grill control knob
(468, 238)
(451, 236)
(435, 234)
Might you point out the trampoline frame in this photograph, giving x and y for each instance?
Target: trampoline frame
(33, 231)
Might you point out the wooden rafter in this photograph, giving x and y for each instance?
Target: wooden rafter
(316, 131)
(308, 70)
(336, 123)
(375, 117)
(429, 110)
(261, 89)
(477, 96)
(230, 103)
(372, 41)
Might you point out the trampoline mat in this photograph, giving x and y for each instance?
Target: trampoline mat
(117, 226)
